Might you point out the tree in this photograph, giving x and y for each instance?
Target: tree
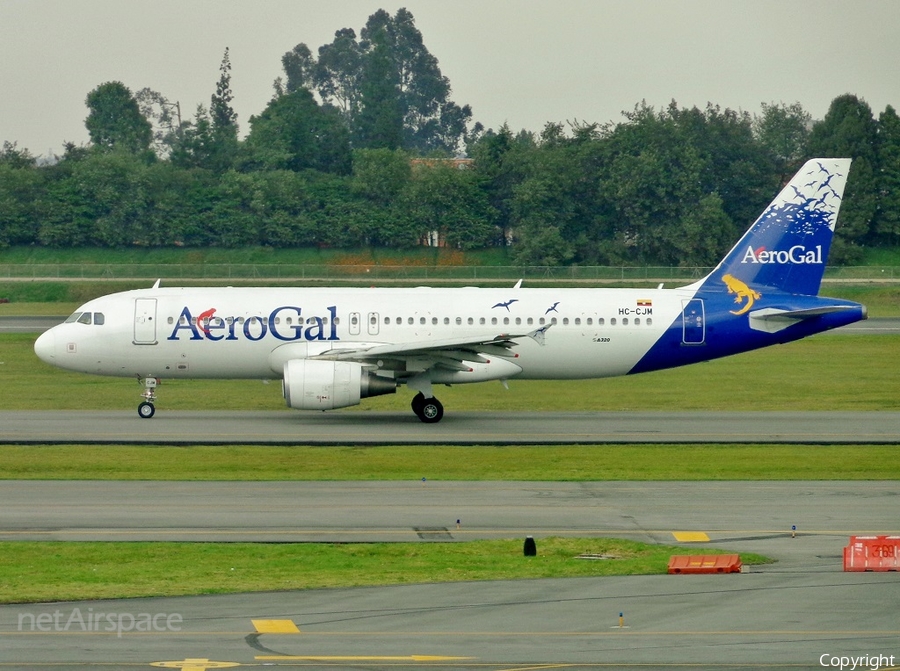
(337, 73)
(21, 193)
(295, 133)
(447, 200)
(222, 115)
(887, 216)
(115, 120)
(164, 117)
(784, 131)
(299, 66)
(849, 130)
(379, 122)
(386, 74)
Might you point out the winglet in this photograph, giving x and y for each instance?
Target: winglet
(156, 284)
(518, 285)
(538, 334)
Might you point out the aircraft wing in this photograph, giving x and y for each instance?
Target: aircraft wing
(447, 353)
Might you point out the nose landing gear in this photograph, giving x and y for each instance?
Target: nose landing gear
(146, 409)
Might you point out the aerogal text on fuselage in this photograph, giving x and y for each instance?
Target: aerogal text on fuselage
(283, 323)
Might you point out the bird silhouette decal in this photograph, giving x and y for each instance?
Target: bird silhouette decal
(506, 304)
(552, 308)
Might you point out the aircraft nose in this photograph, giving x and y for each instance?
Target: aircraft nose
(45, 346)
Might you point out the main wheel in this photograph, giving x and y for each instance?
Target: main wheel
(146, 410)
(417, 403)
(432, 411)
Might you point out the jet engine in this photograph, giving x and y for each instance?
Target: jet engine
(325, 385)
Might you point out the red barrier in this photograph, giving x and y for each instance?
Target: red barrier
(872, 553)
(704, 564)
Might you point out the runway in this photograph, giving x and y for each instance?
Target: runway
(784, 615)
(355, 427)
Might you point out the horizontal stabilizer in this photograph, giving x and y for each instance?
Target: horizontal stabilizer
(773, 320)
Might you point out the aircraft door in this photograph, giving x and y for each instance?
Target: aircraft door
(373, 323)
(144, 321)
(693, 320)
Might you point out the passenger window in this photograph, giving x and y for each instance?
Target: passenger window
(637, 321)
(470, 321)
(600, 321)
(481, 321)
(530, 321)
(446, 320)
(612, 322)
(649, 322)
(506, 320)
(458, 321)
(387, 320)
(494, 321)
(411, 321)
(553, 320)
(421, 320)
(590, 321)
(565, 321)
(577, 321)
(625, 321)
(518, 321)
(99, 319)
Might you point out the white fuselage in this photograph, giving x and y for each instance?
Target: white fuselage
(251, 332)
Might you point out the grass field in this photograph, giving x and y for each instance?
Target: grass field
(52, 571)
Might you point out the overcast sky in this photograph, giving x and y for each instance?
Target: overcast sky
(522, 62)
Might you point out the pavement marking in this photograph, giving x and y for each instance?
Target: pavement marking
(275, 627)
(690, 536)
(361, 658)
(194, 664)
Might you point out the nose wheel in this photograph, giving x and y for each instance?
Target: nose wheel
(146, 409)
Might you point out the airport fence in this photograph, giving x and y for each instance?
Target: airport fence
(400, 273)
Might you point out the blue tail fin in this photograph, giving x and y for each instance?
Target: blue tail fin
(787, 247)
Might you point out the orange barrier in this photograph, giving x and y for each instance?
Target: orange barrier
(704, 564)
(872, 553)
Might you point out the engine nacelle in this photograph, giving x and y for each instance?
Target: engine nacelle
(325, 385)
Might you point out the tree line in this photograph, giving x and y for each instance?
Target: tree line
(353, 150)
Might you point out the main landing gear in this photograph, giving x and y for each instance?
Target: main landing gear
(146, 409)
(429, 410)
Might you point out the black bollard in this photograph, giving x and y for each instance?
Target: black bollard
(530, 547)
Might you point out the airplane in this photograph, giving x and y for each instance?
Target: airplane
(332, 347)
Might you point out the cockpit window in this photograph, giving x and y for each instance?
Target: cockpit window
(96, 318)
